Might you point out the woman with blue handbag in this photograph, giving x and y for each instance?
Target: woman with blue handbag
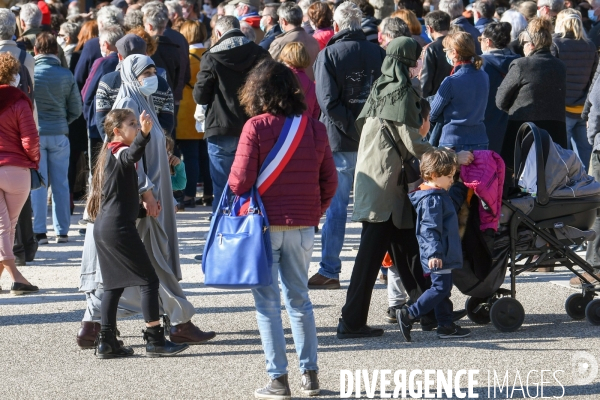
(295, 195)
(19, 151)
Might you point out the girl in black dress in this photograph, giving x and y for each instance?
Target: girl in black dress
(114, 203)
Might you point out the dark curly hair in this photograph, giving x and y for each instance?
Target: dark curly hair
(320, 15)
(498, 33)
(272, 88)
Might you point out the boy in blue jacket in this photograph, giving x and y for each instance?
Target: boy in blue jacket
(437, 202)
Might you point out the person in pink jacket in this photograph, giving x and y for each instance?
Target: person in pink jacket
(19, 151)
(321, 20)
(295, 56)
(294, 203)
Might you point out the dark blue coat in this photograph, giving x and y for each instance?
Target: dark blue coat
(270, 36)
(90, 53)
(495, 64)
(437, 225)
(108, 65)
(466, 25)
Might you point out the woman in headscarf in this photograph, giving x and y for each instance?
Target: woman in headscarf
(157, 230)
(380, 203)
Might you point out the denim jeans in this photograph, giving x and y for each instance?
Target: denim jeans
(436, 298)
(466, 147)
(292, 251)
(54, 168)
(577, 140)
(334, 229)
(221, 152)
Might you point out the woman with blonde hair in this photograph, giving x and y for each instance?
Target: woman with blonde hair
(296, 57)
(191, 143)
(571, 45)
(19, 151)
(461, 99)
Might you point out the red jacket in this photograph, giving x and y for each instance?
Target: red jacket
(46, 15)
(323, 36)
(19, 139)
(310, 94)
(303, 191)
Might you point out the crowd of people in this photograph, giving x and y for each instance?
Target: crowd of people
(145, 108)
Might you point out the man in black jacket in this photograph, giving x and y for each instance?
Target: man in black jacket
(167, 52)
(345, 71)
(223, 71)
(435, 66)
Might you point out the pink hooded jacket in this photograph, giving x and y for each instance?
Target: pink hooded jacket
(485, 175)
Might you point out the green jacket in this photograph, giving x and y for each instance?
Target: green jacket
(179, 180)
(377, 195)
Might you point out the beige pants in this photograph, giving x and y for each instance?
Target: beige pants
(15, 184)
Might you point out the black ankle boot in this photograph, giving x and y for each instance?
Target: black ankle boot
(158, 346)
(107, 346)
(278, 388)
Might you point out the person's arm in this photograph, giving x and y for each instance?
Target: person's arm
(430, 227)
(441, 100)
(73, 102)
(593, 122)
(204, 89)
(328, 180)
(83, 67)
(509, 88)
(30, 138)
(428, 72)
(329, 95)
(103, 104)
(593, 77)
(166, 115)
(458, 194)
(410, 138)
(275, 49)
(244, 170)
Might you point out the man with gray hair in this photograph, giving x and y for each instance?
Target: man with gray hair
(107, 16)
(345, 70)
(247, 10)
(549, 9)
(455, 8)
(483, 13)
(223, 71)
(391, 28)
(25, 245)
(31, 21)
(290, 20)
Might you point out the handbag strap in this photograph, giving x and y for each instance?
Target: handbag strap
(388, 135)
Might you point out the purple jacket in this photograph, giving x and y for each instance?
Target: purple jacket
(485, 175)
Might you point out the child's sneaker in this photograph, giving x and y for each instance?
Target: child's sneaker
(452, 331)
(404, 322)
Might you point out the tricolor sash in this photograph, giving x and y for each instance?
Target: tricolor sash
(277, 159)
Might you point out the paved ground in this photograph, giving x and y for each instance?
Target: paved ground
(40, 359)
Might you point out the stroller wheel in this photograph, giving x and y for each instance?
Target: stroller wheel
(576, 304)
(592, 312)
(478, 310)
(507, 314)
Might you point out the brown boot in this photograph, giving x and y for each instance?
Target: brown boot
(87, 334)
(575, 282)
(318, 281)
(190, 334)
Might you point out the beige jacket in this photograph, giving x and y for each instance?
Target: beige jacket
(297, 35)
(377, 195)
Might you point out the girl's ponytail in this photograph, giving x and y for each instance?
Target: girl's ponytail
(477, 61)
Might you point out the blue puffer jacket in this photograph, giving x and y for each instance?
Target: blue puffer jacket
(56, 95)
(437, 224)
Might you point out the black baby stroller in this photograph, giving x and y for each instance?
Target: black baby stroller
(535, 230)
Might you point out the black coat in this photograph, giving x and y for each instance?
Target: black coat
(223, 71)
(183, 48)
(435, 68)
(167, 57)
(345, 71)
(581, 59)
(534, 88)
(121, 253)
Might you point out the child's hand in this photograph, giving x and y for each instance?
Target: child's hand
(150, 204)
(465, 157)
(174, 161)
(435, 264)
(146, 123)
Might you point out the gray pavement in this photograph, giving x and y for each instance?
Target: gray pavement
(40, 359)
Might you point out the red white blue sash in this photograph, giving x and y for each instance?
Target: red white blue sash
(277, 159)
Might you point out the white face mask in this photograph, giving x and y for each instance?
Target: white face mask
(61, 41)
(149, 86)
(15, 81)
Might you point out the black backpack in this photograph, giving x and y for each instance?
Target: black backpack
(26, 82)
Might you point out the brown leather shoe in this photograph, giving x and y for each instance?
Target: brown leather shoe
(87, 334)
(575, 282)
(318, 281)
(190, 334)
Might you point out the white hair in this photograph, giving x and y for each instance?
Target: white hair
(156, 17)
(517, 22)
(7, 24)
(174, 8)
(347, 16)
(111, 35)
(31, 15)
(454, 8)
(109, 16)
(248, 31)
(554, 5)
(155, 5)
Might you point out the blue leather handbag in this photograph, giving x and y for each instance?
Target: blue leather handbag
(238, 252)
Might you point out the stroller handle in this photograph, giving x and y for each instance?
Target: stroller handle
(529, 134)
